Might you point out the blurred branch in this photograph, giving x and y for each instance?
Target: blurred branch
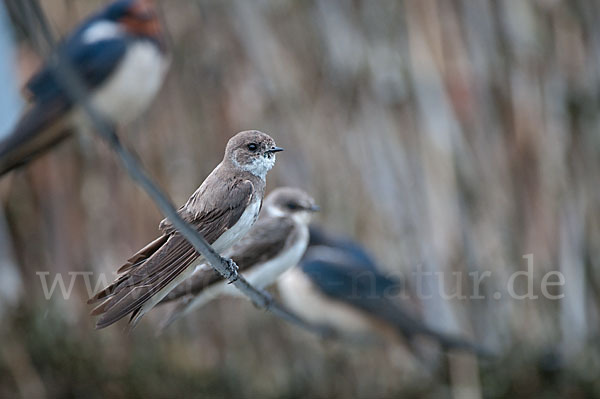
(75, 89)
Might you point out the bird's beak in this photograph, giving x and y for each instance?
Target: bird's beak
(314, 208)
(273, 150)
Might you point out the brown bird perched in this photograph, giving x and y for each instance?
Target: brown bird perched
(274, 244)
(222, 209)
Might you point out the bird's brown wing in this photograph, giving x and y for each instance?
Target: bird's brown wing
(160, 262)
(266, 238)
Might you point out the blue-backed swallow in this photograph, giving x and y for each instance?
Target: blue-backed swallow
(120, 56)
(338, 284)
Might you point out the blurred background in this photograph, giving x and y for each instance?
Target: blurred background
(446, 136)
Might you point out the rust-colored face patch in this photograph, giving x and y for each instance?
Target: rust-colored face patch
(142, 19)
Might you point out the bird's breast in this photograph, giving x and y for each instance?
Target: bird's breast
(134, 83)
(303, 298)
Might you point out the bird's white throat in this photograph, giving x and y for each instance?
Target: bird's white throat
(258, 167)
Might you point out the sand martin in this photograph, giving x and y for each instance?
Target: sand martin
(274, 244)
(223, 209)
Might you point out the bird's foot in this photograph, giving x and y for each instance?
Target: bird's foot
(233, 269)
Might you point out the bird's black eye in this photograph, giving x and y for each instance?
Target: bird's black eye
(292, 206)
(252, 147)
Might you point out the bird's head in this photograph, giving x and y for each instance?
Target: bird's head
(291, 202)
(137, 17)
(252, 151)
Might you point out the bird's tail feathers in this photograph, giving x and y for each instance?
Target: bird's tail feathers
(40, 128)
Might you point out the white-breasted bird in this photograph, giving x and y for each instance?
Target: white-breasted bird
(274, 244)
(119, 56)
(223, 209)
(338, 285)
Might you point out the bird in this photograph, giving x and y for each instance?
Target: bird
(222, 209)
(274, 244)
(119, 55)
(338, 285)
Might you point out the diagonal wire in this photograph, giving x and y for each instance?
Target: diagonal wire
(75, 89)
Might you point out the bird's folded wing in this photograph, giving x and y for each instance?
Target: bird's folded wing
(94, 63)
(161, 261)
(361, 287)
(366, 289)
(216, 211)
(267, 238)
(139, 284)
(143, 254)
(25, 142)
